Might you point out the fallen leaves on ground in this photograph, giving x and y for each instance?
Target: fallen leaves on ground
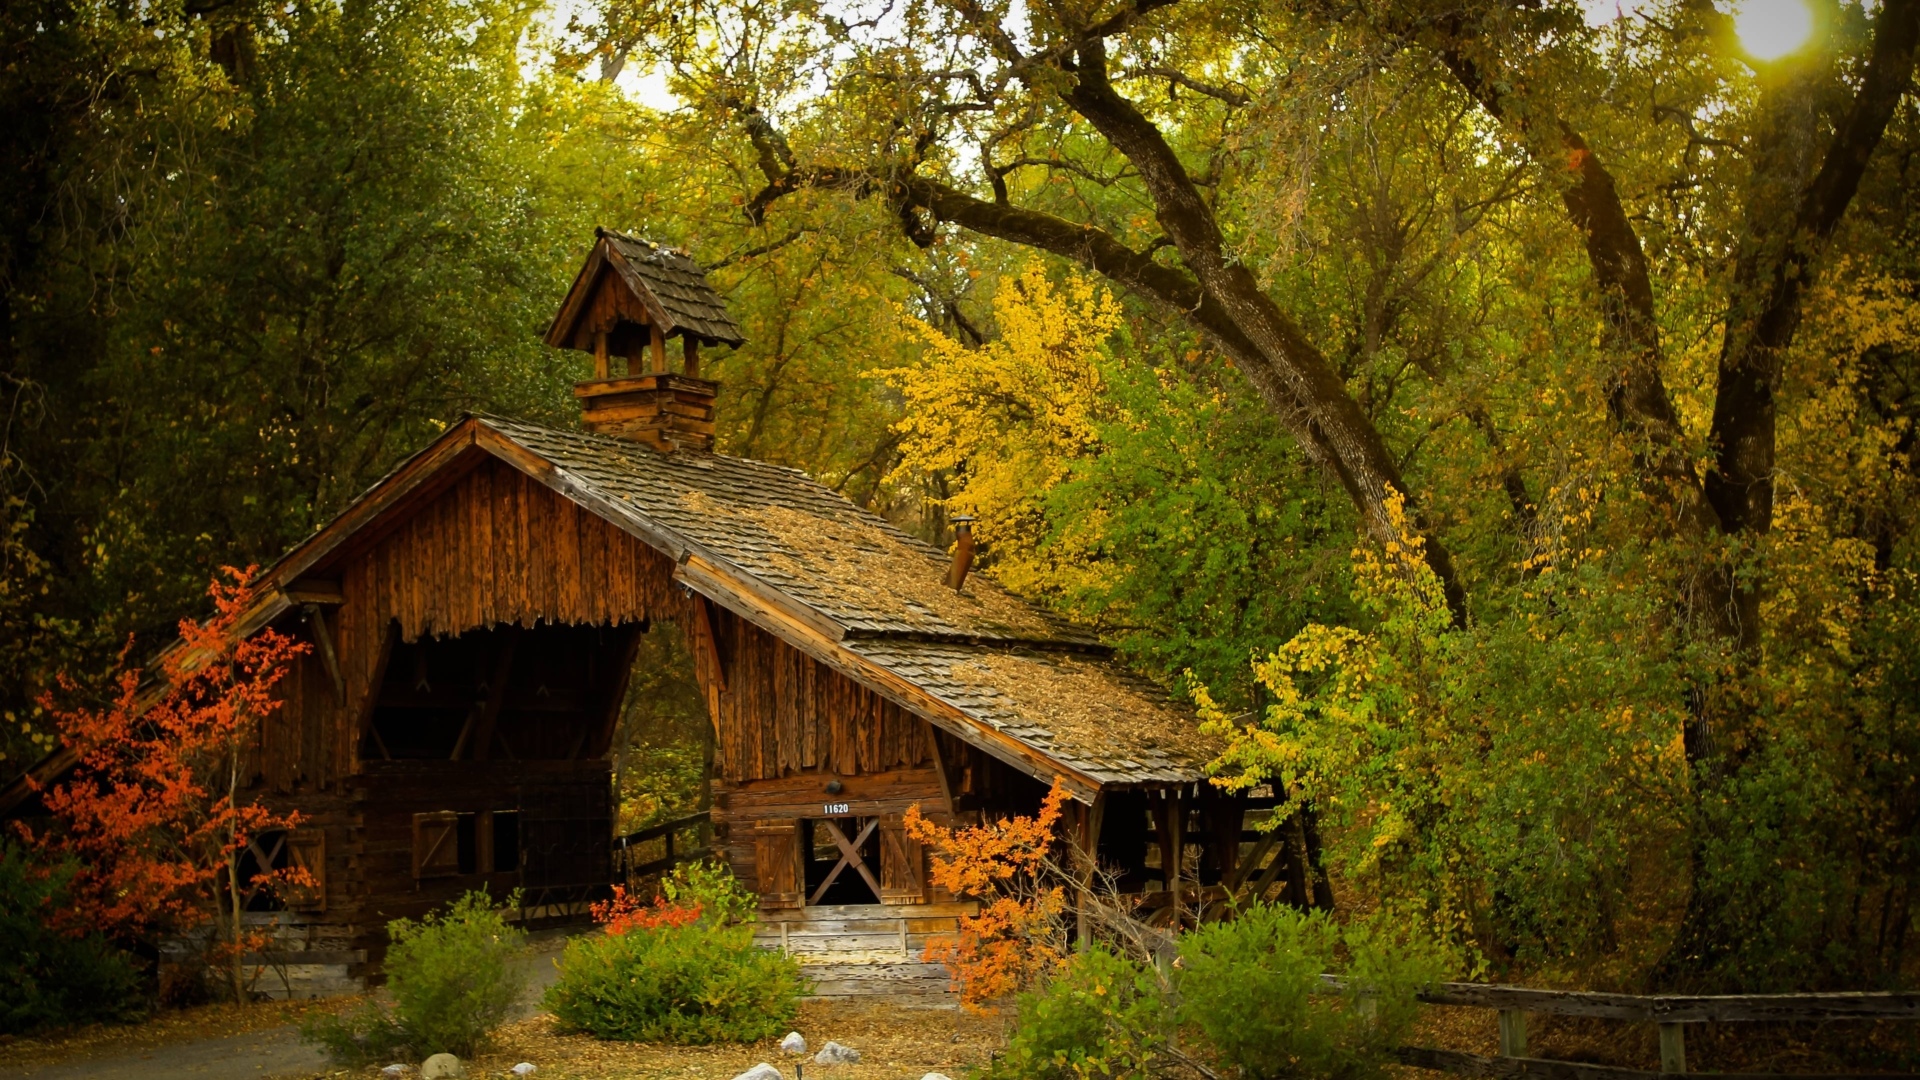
(897, 1040)
(164, 1028)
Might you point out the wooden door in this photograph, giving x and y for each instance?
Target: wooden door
(779, 866)
(307, 850)
(436, 848)
(903, 864)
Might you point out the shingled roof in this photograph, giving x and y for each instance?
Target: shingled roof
(848, 567)
(849, 589)
(1007, 665)
(670, 286)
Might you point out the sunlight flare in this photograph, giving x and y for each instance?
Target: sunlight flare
(1771, 29)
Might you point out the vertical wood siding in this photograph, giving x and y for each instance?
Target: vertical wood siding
(499, 547)
(784, 712)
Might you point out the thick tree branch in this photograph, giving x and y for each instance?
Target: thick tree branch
(1637, 396)
(1277, 357)
(1774, 268)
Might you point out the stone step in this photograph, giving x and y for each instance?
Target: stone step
(830, 912)
(819, 927)
(844, 943)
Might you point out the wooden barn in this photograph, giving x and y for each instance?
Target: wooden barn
(474, 618)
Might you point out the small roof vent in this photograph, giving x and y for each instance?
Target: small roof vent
(629, 298)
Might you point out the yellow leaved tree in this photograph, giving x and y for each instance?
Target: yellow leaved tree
(1004, 422)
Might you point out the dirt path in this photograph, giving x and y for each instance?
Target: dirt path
(140, 1053)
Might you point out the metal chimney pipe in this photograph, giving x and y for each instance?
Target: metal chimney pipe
(962, 553)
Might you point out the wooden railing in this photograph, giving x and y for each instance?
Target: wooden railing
(622, 848)
(1671, 1012)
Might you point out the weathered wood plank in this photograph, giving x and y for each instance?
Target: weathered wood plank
(1461, 1063)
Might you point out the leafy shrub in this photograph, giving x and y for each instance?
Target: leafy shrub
(1099, 1015)
(1251, 988)
(684, 971)
(49, 978)
(1244, 996)
(453, 980)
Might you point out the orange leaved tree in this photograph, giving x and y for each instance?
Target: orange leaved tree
(154, 812)
(1019, 936)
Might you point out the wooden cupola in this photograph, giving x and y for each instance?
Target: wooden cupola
(629, 298)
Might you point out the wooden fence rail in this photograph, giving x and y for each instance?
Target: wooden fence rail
(623, 858)
(1672, 1012)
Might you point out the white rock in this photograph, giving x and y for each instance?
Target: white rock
(442, 1067)
(525, 1068)
(936, 1076)
(794, 1043)
(396, 1069)
(835, 1054)
(762, 1071)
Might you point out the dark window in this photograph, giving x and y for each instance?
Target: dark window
(468, 845)
(506, 840)
(823, 855)
(264, 853)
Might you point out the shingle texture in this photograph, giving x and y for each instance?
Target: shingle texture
(678, 283)
(1009, 666)
(1084, 712)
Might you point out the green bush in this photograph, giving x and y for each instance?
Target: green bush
(1245, 997)
(1101, 1015)
(453, 980)
(50, 979)
(1251, 989)
(700, 981)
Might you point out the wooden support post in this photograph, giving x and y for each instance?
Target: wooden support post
(1673, 1048)
(784, 947)
(600, 355)
(1173, 848)
(1088, 842)
(903, 940)
(940, 766)
(691, 356)
(659, 349)
(323, 641)
(1513, 1033)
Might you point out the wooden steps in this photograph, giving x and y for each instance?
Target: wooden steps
(860, 950)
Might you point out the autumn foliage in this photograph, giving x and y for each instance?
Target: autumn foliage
(628, 912)
(154, 812)
(1019, 936)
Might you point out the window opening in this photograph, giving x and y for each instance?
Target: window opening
(843, 855)
(506, 841)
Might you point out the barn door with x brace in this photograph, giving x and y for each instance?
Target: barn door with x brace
(849, 853)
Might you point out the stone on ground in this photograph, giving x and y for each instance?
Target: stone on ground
(936, 1076)
(835, 1054)
(794, 1043)
(762, 1071)
(396, 1070)
(525, 1068)
(442, 1067)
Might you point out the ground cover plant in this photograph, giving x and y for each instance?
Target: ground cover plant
(682, 968)
(50, 978)
(454, 976)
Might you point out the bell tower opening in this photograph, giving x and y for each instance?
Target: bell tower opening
(627, 301)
